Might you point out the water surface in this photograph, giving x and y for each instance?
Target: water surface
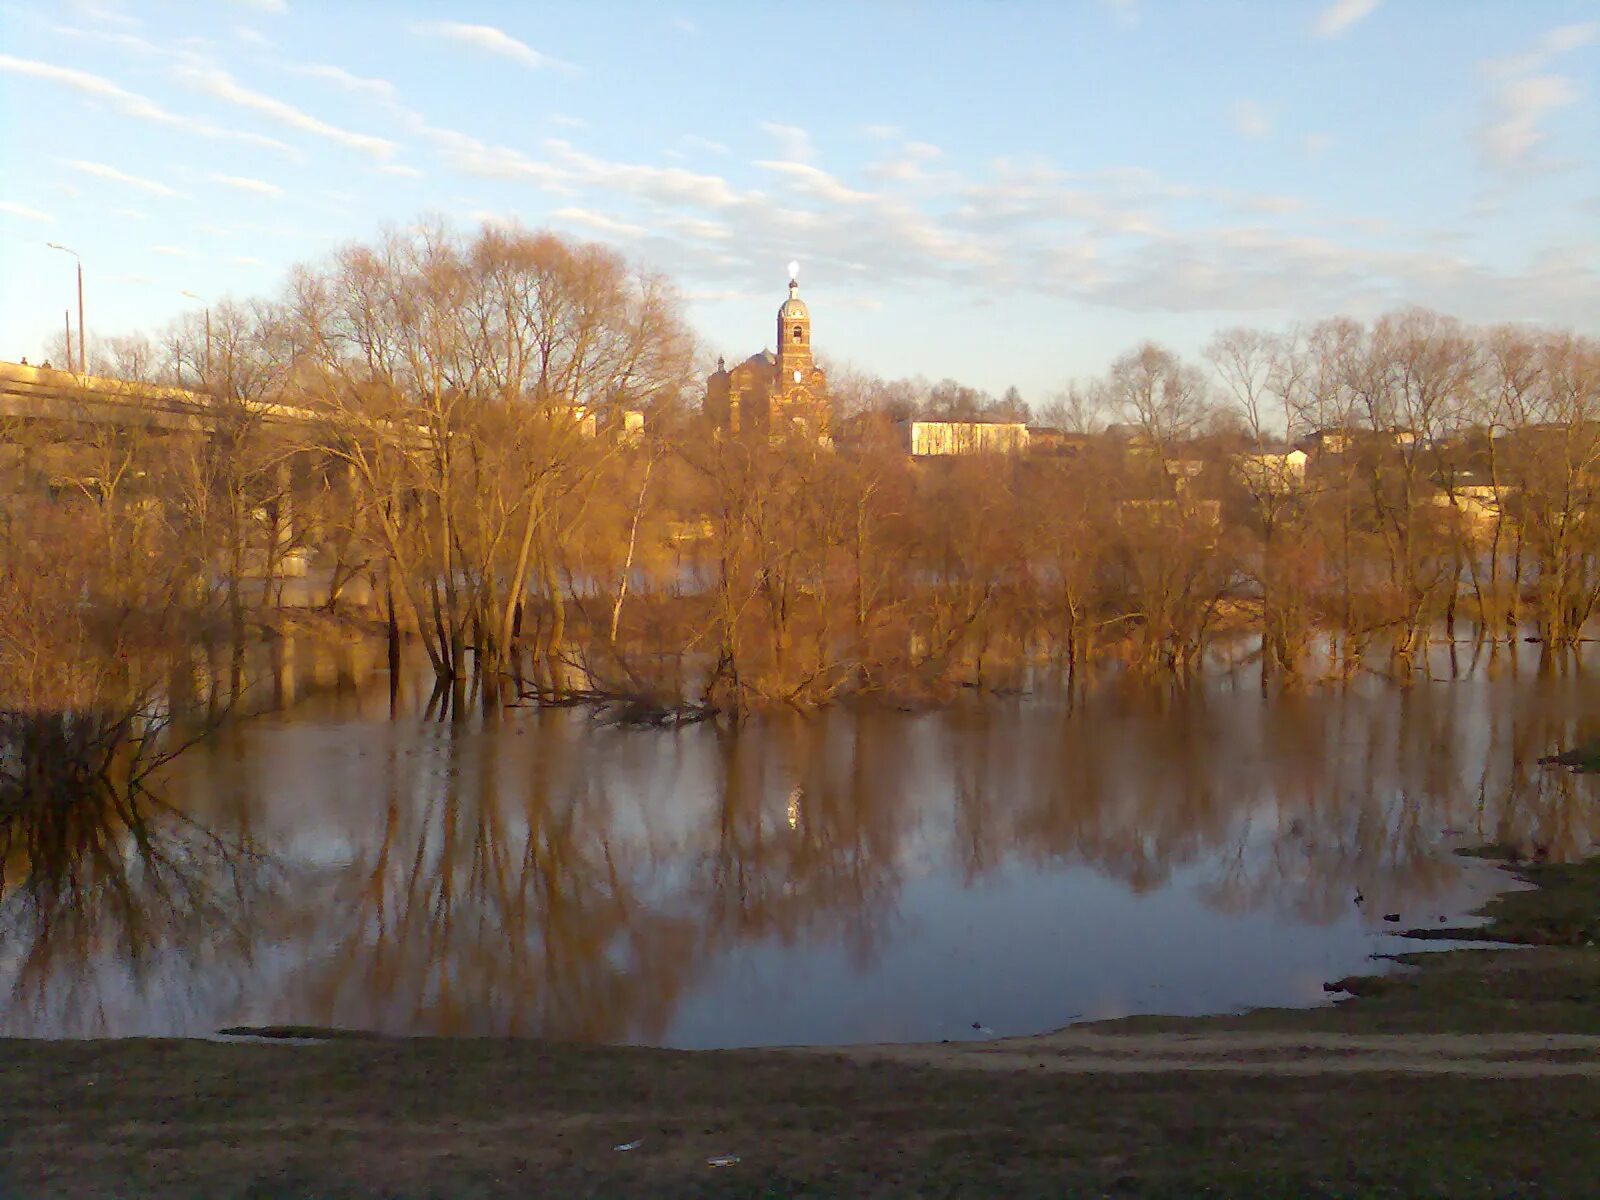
(1004, 867)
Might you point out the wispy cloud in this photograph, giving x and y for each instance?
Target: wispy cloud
(244, 260)
(1250, 120)
(794, 143)
(489, 40)
(401, 170)
(598, 222)
(170, 251)
(23, 212)
(1336, 20)
(103, 171)
(1125, 11)
(1522, 95)
(241, 183)
(567, 122)
(252, 37)
(695, 142)
(274, 7)
(219, 85)
(129, 104)
(815, 182)
(379, 89)
(105, 12)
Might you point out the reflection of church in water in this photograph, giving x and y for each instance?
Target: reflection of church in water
(767, 392)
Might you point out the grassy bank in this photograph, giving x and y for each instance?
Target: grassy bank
(372, 1117)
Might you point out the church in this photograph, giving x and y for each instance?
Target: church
(770, 392)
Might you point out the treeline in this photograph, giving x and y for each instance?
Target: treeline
(455, 437)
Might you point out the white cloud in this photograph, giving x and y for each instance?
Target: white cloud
(1126, 11)
(599, 222)
(906, 165)
(102, 171)
(1523, 94)
(1316, 144)
(246, 261)
(129, 104)
(695, 142)
(573, 168)
(170, 251)
(794, 143)
(275, 7)
(698, 229)
(490, 40)
(240, 183)
(401, 170)
(567, 122)
(105, 12)
(1336, 20)
(1509, 141)
(218, 84)
(380, 89)
(815, 182)
(132, 214)
(252, 37)
(685, 25)
(23, 212)
(1250, 120)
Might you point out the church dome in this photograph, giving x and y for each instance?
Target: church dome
(794, 306)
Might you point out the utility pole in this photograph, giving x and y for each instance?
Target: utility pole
(205, 367)
(66, 317)
(83, 359)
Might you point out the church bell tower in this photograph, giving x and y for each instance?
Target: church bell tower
(794, 338)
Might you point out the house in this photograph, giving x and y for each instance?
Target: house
(1327, 441)
(1480, 505)
(933, 439)
(1049, 440)
(1271, 472)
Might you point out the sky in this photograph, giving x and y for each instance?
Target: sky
(1004, 193)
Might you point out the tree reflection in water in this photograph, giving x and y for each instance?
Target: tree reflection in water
(491, 898)
(114, 905)
(540, 874)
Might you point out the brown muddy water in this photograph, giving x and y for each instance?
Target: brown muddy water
(1006, 866)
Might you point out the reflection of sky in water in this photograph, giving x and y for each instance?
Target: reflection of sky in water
(858, 876)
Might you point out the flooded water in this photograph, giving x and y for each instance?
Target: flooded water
(1007, 866)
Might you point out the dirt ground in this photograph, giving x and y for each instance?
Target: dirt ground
(1472, 1076)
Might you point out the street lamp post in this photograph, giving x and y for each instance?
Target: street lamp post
(205, 369)
(83, 362)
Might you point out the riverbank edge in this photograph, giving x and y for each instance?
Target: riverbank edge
(1534, 967)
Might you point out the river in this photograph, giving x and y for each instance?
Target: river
(1004, 866)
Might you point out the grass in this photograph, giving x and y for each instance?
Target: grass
(359, 1117)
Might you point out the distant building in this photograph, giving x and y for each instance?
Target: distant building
(1480, 505)
(1327, 441)
(1047, 439)
(769, 392)
(930, 439)
(1269, 471)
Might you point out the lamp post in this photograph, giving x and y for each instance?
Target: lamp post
(83, 362)
(205, 368)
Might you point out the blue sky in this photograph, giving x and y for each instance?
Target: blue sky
(999, 192)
